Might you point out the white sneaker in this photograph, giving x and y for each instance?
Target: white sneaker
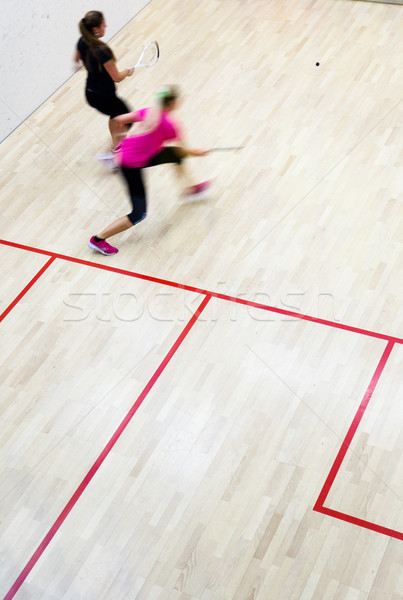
(108, 160)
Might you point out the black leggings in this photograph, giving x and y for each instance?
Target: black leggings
(134, 180)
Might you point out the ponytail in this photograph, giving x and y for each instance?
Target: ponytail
(92, 19)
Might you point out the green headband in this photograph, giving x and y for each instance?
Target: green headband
(163, 93)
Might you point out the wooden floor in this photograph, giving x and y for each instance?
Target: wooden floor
(215, 413)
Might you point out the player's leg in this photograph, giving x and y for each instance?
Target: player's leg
(176, 155)
(137, 194)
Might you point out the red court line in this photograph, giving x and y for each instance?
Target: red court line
(319, 506)
(26, 288)
(98, 462)
(196, 290)
(361, 522)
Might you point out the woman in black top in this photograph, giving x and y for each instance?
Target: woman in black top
(103, 73)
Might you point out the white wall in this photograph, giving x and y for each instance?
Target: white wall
(37, 46)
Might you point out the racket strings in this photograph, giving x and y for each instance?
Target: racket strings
(150, 54)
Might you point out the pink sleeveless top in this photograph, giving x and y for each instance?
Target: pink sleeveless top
(138, 150)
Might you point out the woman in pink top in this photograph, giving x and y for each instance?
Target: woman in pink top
(146, 148)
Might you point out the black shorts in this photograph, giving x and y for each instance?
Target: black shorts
(169, 154)
(107, 104)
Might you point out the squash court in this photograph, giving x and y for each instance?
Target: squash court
(215, 412)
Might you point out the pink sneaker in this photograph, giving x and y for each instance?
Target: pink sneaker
(195, 191)
(102, 247)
